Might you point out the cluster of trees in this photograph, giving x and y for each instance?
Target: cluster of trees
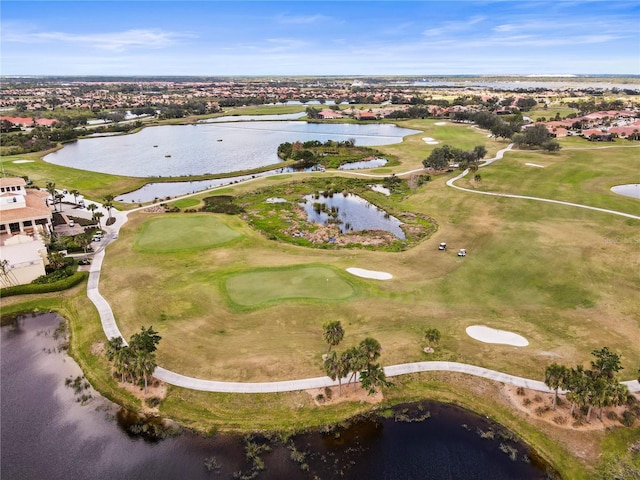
(595, 387)
(590, 106)
(498, 127)
(137, 360)
(441, 157)
(536, 136)
(353, 360)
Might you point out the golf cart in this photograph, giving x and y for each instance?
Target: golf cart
(462, 252)
(442, 246)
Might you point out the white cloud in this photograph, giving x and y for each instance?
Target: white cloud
(454, 27)
(113, 41)
(301, 19)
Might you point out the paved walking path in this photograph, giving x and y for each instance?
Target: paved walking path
(111, 329)
(499, 156)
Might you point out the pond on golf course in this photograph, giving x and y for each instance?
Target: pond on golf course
(47, 433)
(212, 148)
(350, 212)
(629, 190)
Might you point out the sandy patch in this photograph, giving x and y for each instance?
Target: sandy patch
(430, 141)
(440, 123)
(534, 165)
(23, 161)
(361, 272)
(492, 335)
(380, 189)
(349, 393)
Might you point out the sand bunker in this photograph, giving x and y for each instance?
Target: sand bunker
(361, 272)
(23, 161)
(440, 123)
(380, 189)
(430, 141)
(492, 335)
(534, 165)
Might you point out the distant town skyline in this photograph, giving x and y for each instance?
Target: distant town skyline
(340, 38)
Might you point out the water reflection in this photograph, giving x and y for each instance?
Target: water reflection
(47, 434)
(350, 213)
(373, 163)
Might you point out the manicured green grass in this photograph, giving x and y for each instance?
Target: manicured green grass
(185, 232)
(186, 203)
(91, 184)
(257, 287)
(413, 150)
(582, 176)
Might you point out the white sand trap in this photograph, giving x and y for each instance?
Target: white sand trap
(440, 123)
(492, 335)
(534, 165)
(380, 189)
(430, 141)
(23, 161)
(361, 272)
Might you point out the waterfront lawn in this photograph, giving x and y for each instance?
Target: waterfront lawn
(183, 232)
(92, 185)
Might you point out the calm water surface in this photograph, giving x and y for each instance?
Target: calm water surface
(47, 434)
(629, 190)
(354, 213)
(175, 150)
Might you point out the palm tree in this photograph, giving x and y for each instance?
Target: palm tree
(556, 377)
(123, 362)
(75, 194)
(51, 188)
(144, 363)
(373, 378)
(335, 369)
(108, 204)
(113, 345)
(332, 333)
(370, 349)
(84, 240)
(96, 217)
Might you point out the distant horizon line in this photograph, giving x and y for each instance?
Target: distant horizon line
(412, 76)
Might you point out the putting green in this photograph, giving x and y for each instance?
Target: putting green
(183, 232)
(257, 287)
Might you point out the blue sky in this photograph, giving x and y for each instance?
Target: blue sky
(319, 38)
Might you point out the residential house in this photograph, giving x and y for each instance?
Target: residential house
(24, 216)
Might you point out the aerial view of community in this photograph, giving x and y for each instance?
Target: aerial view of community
(386, 240)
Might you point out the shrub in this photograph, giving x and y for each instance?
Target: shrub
(520, 391)
(542, 410)
(628, 418)
(57, 286)
(611, 415)
(526, 401)
(560, 419)
(153, 402)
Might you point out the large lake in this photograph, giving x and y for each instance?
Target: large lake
(47, 434)
(177, 150)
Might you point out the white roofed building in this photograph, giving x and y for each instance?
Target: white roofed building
(24, 215)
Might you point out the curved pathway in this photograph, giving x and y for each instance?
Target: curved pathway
(111, 329)
(499, 156)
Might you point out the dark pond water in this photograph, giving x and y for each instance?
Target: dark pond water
(212, 148)
(351, 213)
(47, 434)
